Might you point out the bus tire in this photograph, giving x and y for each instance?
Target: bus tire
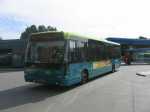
(84, 76)
(113, 68)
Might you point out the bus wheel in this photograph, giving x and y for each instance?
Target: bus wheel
(113, 69)
(84, 76)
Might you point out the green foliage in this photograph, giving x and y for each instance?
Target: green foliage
(42, 28)
(141, 37)
(49, 28)
(34, 29)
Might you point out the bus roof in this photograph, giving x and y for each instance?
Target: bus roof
(111, 42)
(67, 35)
(46, 32)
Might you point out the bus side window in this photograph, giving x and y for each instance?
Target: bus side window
(71, 50)
(77, 51)
(81, 51)
(86, 51)
(107, 52)
(100, 51)
(91, 51)
(95, 51)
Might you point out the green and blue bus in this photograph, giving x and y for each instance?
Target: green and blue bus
(65, 59)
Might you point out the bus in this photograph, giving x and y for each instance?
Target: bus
(65, 59)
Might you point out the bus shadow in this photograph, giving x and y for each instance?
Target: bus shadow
(135, 64)
(100, 76)
(28, 94)
(140, 64)
(33, 93)
(6, 70)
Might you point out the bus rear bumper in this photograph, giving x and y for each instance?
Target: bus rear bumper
(47, 80)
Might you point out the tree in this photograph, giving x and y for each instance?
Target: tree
(49, 28)
(141, 37)
(28, 31)
(42, 28)
(1, 38)
(33, 29)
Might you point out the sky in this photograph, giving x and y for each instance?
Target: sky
(100, 18)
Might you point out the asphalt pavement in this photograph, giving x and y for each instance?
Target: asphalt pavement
(122, 91)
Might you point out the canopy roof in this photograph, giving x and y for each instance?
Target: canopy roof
(129, 41)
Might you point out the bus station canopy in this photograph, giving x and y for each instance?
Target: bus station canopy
(129, 41)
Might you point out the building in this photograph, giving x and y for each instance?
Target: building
(129, 44)
(12, 53)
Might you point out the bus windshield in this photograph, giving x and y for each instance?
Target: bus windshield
(45, 52)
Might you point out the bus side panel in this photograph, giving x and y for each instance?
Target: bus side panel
(74, 72)
(102, 71)
(101, 67)
(94, 69)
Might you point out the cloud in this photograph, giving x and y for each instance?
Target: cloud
(10, 23)
(11, 27)
(97, 17)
